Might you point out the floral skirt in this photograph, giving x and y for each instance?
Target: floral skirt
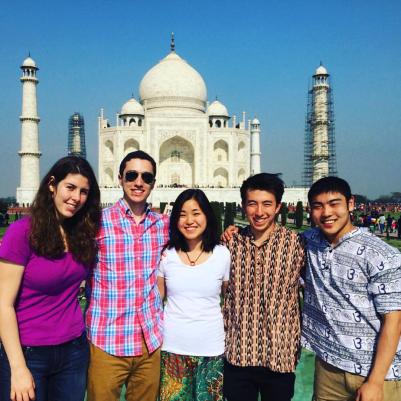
(191, 378)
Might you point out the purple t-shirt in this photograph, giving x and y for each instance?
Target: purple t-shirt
(47, 308)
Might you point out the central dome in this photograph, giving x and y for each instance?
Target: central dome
(173, 83)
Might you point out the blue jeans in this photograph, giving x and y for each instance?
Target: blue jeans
(59, 371)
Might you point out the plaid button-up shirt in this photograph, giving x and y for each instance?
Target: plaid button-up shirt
(125, 302)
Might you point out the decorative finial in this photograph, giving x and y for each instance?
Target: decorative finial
(321, 64)
(132, 95)
(29, 54)
(172, 43)
(217, 98)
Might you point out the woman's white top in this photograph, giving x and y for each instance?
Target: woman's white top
(193, 321)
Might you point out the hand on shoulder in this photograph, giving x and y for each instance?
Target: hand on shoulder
(229, 233)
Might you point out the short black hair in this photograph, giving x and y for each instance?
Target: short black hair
(209, 237)
(329, 184)
(264, 182)
(137, 154)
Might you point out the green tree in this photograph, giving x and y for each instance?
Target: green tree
(360, 199)
(5, 203)
(283, 213)
(218, 211)
(395, 197)
(162, 206)
(229, 213)
(299, 215)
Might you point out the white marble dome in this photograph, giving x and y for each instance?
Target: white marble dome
(321, 70)
(29, 62)
(217, 108)
(255, 121)
(173, 83)
(132, 107)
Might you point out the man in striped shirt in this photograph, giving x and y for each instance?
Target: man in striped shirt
(124, 318)
(261, 309)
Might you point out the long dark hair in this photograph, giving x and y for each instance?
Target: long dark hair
(80, 230)
(209, 236)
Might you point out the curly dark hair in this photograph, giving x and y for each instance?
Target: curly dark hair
(80, 230)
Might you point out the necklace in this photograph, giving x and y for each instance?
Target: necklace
(193, 262)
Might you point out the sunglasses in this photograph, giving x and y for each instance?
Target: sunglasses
(148, 178)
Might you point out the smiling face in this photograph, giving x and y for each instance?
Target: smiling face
(330, 212)
(261, 209)
(69, 195)
(137, 191)
(192, 221)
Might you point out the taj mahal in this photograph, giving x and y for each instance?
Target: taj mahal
(195, 143)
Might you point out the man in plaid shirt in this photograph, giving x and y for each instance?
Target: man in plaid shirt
(124, 318)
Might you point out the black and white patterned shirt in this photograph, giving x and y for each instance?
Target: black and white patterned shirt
(348, 288)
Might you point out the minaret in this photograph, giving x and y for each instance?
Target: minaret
(255, 146)
(320, 153)
(29, 152)
(320, 158)
(76, 135)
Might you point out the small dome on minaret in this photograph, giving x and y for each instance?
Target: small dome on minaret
(321, 70)
(29, 62)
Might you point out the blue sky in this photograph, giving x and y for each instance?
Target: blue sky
(256, 56)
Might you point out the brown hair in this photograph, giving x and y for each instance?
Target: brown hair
(80, 230)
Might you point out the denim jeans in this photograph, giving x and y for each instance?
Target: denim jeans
(59, 371)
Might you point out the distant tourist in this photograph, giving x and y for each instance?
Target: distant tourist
(193, 273)
(124, 319)
(352, 309)
(389, 224)
(43, 260)
(382, 223)
(261, 308)
(399, 227)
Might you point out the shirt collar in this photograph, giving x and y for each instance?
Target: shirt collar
(247, 232)
(356, 231)
(126, 211)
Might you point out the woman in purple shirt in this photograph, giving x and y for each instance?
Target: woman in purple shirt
(43, 260)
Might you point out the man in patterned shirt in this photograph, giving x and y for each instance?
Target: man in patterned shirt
(352, 309)
(261, 309)
(124, 317)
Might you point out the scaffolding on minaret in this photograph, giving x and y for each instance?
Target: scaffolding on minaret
(311, 122)
(76, 136)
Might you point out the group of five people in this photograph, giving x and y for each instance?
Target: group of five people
(132, 258)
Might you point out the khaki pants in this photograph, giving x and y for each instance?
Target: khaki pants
(107, 374)
(333, 384)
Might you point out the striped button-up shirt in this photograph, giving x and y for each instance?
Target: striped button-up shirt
(261, 308)
(125, 303)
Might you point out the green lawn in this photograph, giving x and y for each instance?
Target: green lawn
(394, 242)
(304, 377)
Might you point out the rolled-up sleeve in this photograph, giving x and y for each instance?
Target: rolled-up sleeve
(385, 284)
